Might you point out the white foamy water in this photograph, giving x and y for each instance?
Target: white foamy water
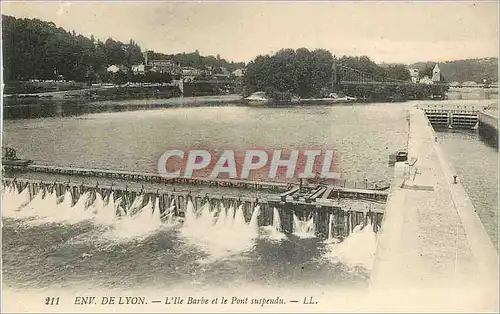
(141, 221)
(304, 229)
(358, 249)
(14, 202)
(274, 232)
(219, 232)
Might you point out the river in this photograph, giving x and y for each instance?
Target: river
(362, 136)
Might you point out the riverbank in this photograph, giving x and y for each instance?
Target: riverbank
(46, 108)
(172, 102)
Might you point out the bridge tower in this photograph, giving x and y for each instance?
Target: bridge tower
(181, 86)
(436, 74)
(335, 78)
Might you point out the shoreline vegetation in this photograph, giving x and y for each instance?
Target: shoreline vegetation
(49, 68)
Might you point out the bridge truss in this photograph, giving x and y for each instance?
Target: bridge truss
(344, 75)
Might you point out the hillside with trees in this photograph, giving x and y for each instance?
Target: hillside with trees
(34, 49)
(39, 50)
(476, 70)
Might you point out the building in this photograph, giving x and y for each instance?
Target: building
(238, 72)
(414, 74)
(139, 69)
(190, 71)
(163, 66)
(436, 74)
(209, 70)
(116, 68)
(426, 80)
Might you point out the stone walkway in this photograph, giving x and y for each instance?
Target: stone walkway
(431, 237)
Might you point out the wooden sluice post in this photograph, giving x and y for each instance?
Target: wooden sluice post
(197, 203)
(161, 204)
(336, 230)
(359, 217)
(340, 220)
(227, 203)
(287, 219)
(247, 210)
(378, 220)
(316, 221)
(265, 215)
(322, 218)
(182, 203)
(347, 223)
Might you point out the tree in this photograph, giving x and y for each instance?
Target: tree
(119, 78)
(301, 72)
(426, 72)
(34, 49)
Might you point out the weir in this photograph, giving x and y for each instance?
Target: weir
(431, 235)
(290, 214)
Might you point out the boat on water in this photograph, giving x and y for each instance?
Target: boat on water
(333, 98)
(9, 158)
(261, 99)
(257, 99)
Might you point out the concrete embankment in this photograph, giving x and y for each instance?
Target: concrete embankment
(488, 127)
(489, 118)
(431, 236)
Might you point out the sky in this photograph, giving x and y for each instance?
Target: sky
(399, 32)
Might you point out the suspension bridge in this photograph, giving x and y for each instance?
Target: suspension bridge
(344, 75)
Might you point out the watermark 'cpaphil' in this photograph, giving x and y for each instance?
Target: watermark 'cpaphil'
(248, 165)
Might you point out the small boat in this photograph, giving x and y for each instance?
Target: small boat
(9, 158)
(382, 188)
(333, 98)
(257, 99)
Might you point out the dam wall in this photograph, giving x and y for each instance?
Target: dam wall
(431, 236)
(326, 217)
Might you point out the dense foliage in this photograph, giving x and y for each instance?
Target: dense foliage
(309, 73)
(397, 72)
(302, 72)
(34, 49)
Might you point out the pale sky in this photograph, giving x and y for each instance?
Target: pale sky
(239, 31)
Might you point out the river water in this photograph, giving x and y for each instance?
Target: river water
(59, 252)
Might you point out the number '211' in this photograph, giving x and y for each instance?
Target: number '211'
(51, 301)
